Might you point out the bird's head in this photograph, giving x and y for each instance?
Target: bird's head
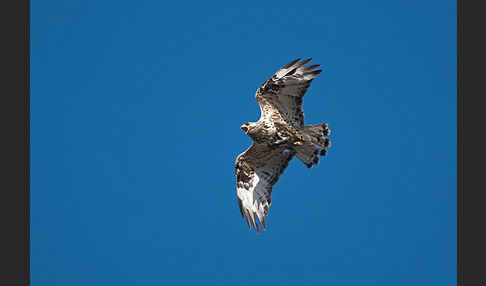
(245, 127)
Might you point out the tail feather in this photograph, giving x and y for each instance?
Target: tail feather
(308, 154)
(315, 144)
(317, 134)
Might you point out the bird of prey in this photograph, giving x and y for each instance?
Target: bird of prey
(278, 136)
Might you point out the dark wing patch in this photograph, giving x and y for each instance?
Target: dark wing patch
(285, 91)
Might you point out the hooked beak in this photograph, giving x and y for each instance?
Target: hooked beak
(244, 127)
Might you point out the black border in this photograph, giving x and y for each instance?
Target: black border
(472, 187)
(27, 139)
(15, 143)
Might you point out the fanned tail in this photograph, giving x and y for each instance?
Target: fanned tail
(314, 145)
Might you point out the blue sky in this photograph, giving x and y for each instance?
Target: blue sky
(136, 108)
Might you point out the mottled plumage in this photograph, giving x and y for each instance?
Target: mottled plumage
(278, 136)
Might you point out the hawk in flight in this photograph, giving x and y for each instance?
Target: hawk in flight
(278, 136)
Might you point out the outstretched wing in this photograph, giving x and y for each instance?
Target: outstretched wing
(284, 92)
(257, 170)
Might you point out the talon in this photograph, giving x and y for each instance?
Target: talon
(299, 143)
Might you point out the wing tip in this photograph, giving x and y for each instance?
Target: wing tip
(311, 67)
(316, 72)
(306, 61)
(253, 220)
(240, 204)
(291, 63)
